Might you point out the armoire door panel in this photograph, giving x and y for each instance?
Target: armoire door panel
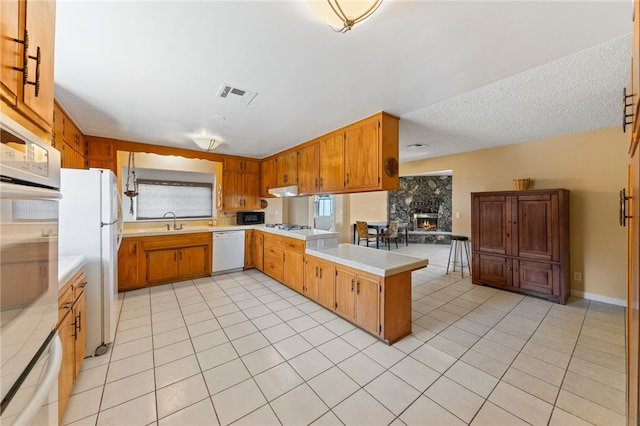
(492, 269)
(536, 216)
(536, 276)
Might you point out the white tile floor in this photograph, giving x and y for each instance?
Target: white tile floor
(244, 349)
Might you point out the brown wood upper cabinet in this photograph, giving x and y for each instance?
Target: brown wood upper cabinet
(521, 241)
(267, 176)
(241, 165)
(308, 170)
(68, 139)
(32, 103)
(287, 168)
(360, 157)
(240, 184)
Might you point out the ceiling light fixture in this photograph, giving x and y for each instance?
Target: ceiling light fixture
(208, 143)
(342, 15)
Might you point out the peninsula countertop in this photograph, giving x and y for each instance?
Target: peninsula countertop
(378, 262)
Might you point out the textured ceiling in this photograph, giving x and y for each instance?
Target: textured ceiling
(573, 94)
(461, 75)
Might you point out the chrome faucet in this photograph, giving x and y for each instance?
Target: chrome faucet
(175, 226)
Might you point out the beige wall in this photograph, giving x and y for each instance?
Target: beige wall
(592, 165)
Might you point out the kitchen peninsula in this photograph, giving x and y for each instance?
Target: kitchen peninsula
(370, 288)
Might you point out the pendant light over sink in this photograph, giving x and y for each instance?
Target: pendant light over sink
(131, 191)
(342, 15)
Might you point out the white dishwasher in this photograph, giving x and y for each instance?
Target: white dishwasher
(228, 251)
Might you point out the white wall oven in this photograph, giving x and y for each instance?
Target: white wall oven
(30, 349)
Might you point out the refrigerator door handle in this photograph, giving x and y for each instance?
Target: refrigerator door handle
(121, 223)
(48, 381)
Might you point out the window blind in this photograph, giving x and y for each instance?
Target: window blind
(185, 199)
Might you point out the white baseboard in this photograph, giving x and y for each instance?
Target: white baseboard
(599, 298)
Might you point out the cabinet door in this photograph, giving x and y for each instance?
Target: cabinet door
(537, 222)
(362, 159)
(232, 186)
(100, 150)
(267, 177)
(311, 272)
(332, 162)
(66, 331)
(308, 169)
(345, 294)
(259, 254)
(241, 165)
(492, 224)
(326, 285)
(287, 169)
(128, 265)
(40, 22)
(492, 270)
(79, 311)
(540, 277)
(161, 265)
(11, 52)
(293, 270)
(368, 304)
(250, 191)
(249, 253)
(192, 261)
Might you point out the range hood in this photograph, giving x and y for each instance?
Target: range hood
(284, 191)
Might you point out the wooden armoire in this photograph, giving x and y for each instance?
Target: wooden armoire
(520, 241)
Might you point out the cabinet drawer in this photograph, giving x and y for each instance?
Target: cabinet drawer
(78, 282)
(273, 269)
(65, 301)
(292, 244)
(272, 252)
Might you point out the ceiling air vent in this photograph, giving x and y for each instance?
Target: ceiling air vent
(228, 91)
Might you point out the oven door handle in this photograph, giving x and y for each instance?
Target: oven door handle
(49, 380)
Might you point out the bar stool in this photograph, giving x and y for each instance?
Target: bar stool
(457, 242)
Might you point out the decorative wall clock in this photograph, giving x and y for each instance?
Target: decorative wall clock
(391, 166)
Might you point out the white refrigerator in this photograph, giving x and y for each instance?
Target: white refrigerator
(91, 224)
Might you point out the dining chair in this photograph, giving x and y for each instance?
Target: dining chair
(364, 233)
(391, 232)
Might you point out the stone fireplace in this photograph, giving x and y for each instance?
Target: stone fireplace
(424, 203)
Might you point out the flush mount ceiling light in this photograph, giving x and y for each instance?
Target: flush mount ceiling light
(416, 146)
(207, 143)
(342, 15)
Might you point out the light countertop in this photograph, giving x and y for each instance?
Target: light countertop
(378, 262)
(161, 230)
(301, 234)
(68, 266)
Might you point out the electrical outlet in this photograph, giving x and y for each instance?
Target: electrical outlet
(577, 276)
(457, 215)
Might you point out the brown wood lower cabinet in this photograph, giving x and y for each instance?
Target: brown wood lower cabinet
(71, 328)
(358, 299)
(144, 261)
(318, 282)
(379, 305)
(293, 264)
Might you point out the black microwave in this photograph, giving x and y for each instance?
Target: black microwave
(250, 218)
